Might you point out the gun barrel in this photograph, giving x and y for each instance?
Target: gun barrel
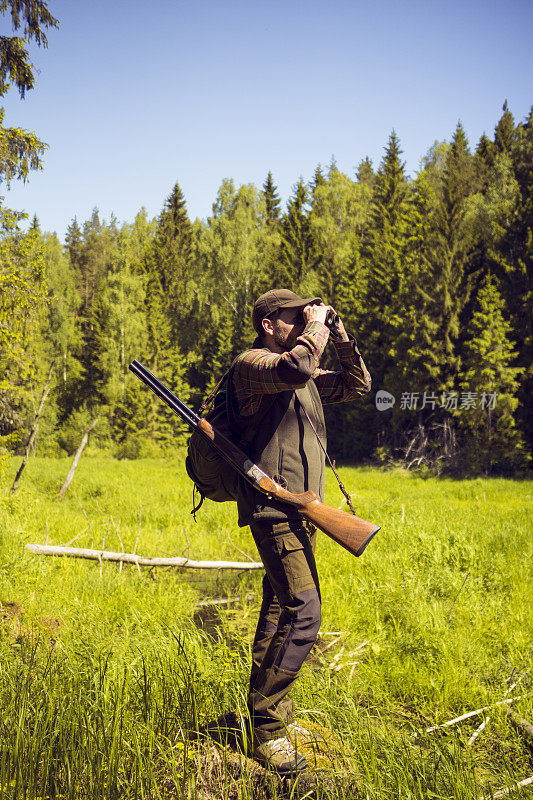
(164, 393)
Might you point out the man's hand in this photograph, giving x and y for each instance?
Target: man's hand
(315, 313)
(318, 313)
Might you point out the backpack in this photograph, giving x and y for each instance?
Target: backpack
(211, 474)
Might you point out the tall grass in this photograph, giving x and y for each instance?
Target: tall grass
(106, 677)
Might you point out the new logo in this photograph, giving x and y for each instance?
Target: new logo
(384, 400)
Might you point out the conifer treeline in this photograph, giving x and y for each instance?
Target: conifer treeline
(433, 275)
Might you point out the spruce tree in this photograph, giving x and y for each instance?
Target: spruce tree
(269, 236)
(491, 441)
(319, 180)
(272, 201)
(92, 255)
(382, 256)
(171, 261)
(484, 160)
(61, 330)
(505, 131)
(452, 242)
(378, 264)
(230, 249)
(73, 244)
(297, 256)
(512, 261)
(365, 172)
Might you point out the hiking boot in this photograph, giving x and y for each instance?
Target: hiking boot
(279, 755)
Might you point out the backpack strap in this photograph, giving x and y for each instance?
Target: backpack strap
(247, 435)
(209, 400)
(195, 507)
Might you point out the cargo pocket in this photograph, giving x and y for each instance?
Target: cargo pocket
(295, 554)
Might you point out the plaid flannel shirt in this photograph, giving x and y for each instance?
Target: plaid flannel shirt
(260, 371)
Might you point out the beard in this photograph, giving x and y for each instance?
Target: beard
(285, 339)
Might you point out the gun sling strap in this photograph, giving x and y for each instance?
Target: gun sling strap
(331, 463)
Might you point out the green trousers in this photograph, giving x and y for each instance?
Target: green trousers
(288, 623)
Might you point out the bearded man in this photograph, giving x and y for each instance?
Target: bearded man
(277, 393)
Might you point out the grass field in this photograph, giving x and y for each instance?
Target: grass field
(106, 673)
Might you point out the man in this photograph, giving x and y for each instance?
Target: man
(275, 400)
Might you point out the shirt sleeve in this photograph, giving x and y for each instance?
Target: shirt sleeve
(352, 380)
(259, 371)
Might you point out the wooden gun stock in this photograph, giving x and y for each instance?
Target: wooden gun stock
(352, 532)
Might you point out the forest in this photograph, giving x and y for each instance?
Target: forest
(432, 274)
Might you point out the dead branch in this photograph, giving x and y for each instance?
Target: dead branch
(514, 787)
(521, 725)
(77, 458)
(34, 429)
(139, 561)
(475, 713)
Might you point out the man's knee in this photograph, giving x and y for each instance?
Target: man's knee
(303, 616)
(308, 615)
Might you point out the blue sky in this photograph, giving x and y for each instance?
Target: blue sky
(133, 96)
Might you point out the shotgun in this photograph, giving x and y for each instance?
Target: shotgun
(352, 532)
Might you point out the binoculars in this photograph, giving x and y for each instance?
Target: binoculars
(332, 322)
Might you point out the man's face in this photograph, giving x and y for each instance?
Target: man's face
(288, 325)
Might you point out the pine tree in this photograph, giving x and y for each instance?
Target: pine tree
(492, 442)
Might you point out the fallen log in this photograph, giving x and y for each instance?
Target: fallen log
(139, 561)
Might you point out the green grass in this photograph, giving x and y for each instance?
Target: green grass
(105, 676)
